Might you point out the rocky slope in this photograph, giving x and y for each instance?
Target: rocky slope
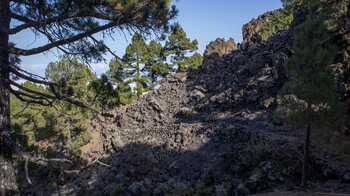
(209, 131)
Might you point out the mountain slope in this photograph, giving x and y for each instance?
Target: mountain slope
(209, 131)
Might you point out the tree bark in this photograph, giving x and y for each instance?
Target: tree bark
(8, 185)
(306, 155)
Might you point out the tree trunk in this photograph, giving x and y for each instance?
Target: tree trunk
(306, 155)
(8, 185)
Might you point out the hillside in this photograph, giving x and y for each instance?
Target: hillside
(209, 131)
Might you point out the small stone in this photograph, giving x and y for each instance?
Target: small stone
(265, 166)
(220, 190)
(346, 177)
(253, 182)
(241, 190)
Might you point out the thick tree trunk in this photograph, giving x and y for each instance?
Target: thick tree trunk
(306, 155)
(8, 185)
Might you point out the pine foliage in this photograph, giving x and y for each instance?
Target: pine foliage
(144, 65)
(178, 45)
(34, 123)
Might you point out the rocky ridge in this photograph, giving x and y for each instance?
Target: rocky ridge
(209, 131)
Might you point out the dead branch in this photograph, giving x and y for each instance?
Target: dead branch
(99, 162)
(26, 171)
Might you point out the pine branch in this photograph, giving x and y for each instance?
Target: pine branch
(20, 18)
(61, 42)
(104, 45)
(30, 24)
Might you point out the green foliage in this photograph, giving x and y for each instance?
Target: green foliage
(206, 187)
(194, 61)
(289, 4)
(281, 20)
(106, 95)
(80, 140)
(178, 45)
(70, 119)
(309, 97)
(156, 66)
(308, 100)
(144, 65)
(131, 15)
(333, 12)
(221, 53)
(134, 58)
(117, 190)
(333, 9)
(33, 123)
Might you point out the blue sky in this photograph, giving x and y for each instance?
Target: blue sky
(204, 20)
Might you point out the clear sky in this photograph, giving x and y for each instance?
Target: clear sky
(204, 20)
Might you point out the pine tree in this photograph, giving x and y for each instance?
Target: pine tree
(70, 120)
(178, 45)
(133, 61)
(308, 98)
(156, 66)
(116, 74)
(31, 122)
(194, 61)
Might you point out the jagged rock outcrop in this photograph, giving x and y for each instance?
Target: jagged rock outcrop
(251, 30)
(221, 47)
(210, 130)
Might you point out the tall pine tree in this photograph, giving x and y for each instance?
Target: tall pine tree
(156, 66)
(117, 75)
(73, 78)
(133, 61)
(308, 98)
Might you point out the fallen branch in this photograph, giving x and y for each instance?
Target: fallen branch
(99, 162)
(26, 171)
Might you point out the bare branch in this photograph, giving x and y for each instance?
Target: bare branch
(104, 45)
(54, 97)
(20, 18)
(28, 95)
(18, 95)
(99, 162)
(32, 91)
(17, 73)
